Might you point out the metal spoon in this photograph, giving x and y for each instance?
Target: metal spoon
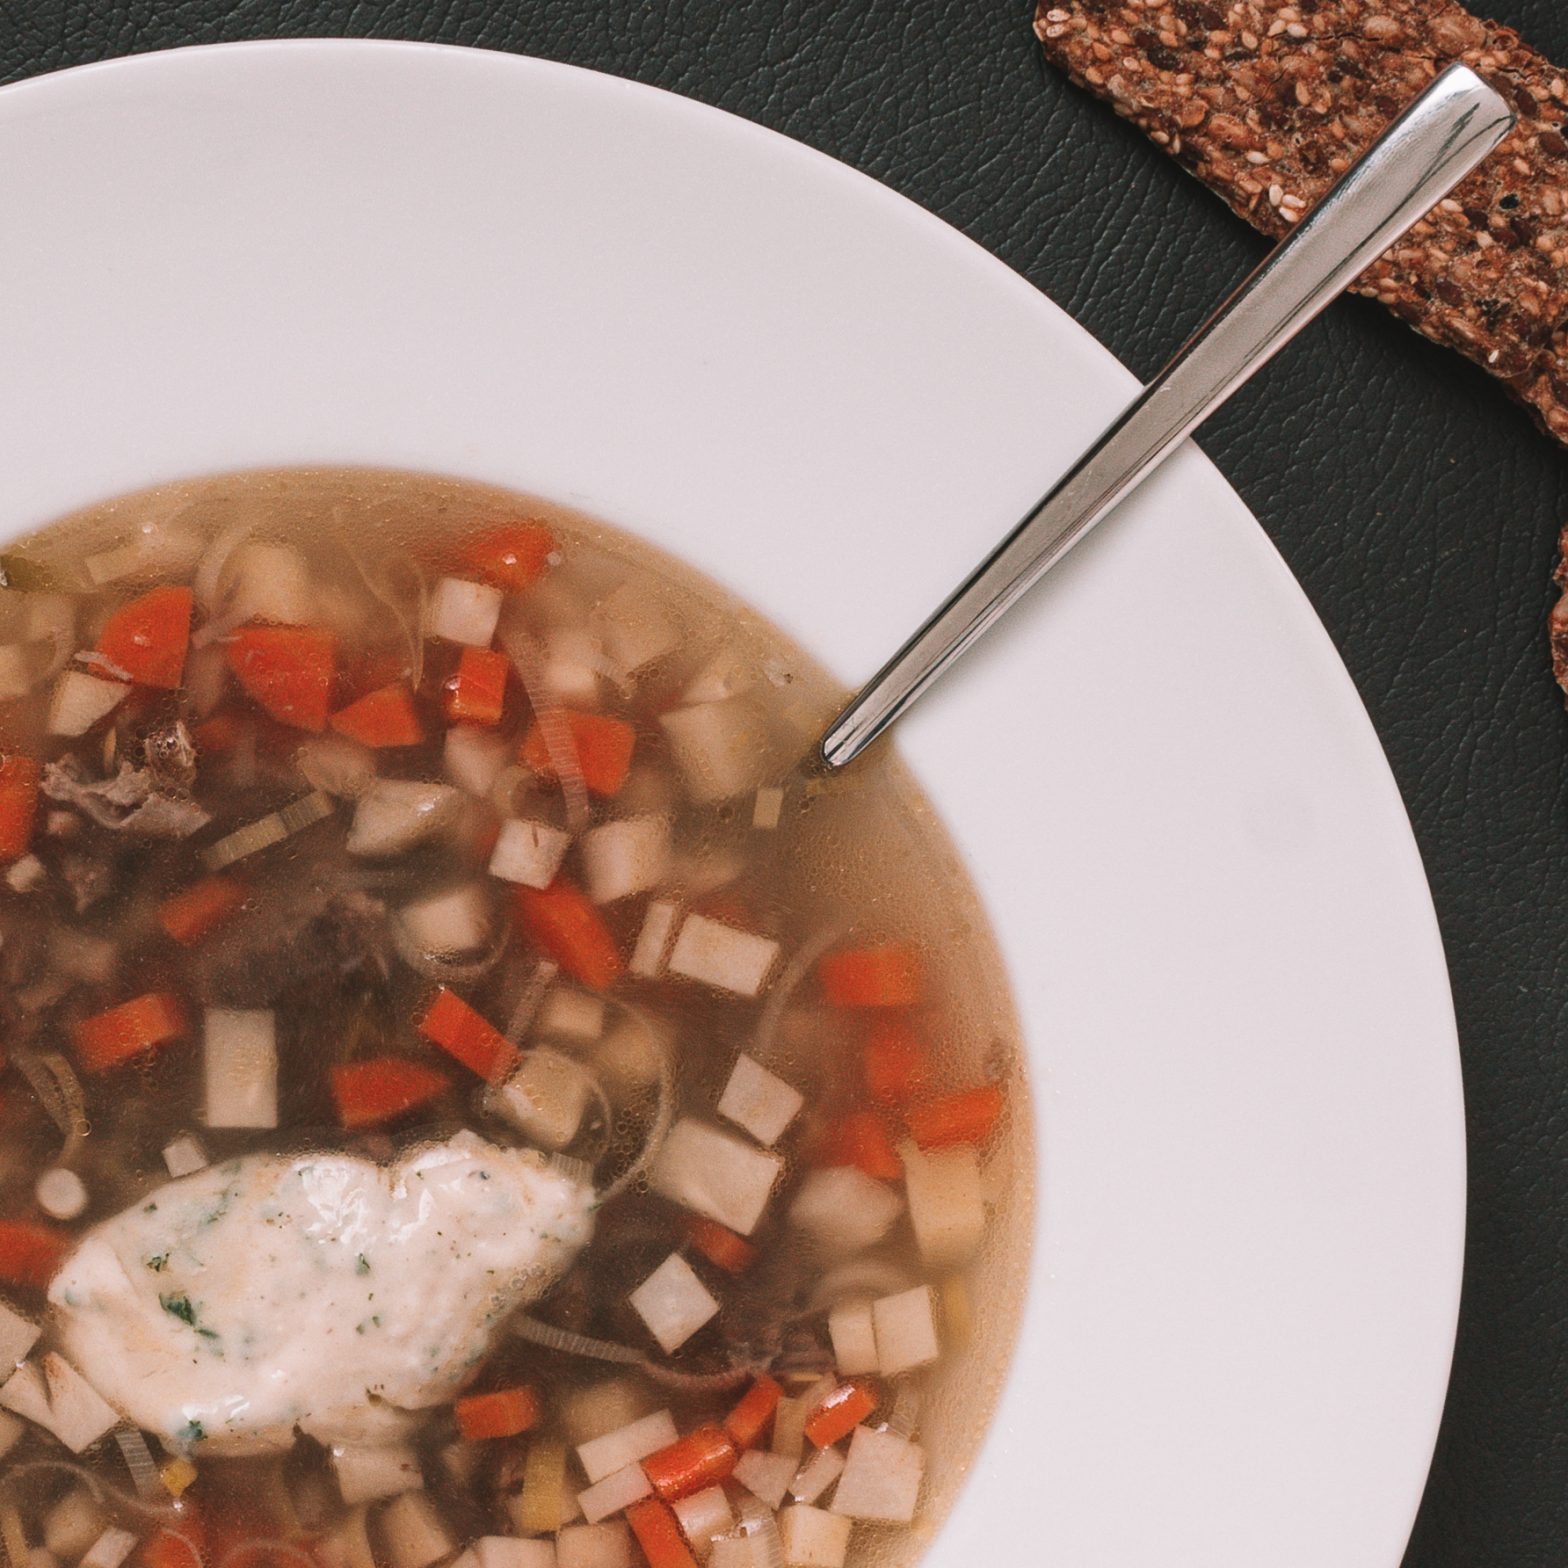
(1427, 151)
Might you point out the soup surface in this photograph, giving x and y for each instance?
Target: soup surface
(470, 1092)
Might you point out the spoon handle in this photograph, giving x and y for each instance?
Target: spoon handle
(1427, 151)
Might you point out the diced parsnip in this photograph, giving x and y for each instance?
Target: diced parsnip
(240, 1059)
(569, 1014)
(843, 1210)
(946, 1202)
(51, 1393)
(727, 674)
(758, 1101)
(625, 857)
(366, 1474)
(653, 940)
(81, 700)
(702, 1516)
(18, 1335)
(814, 1538)
(715, 1174)
(817, 1475)
(633, 629)
(607, 1545)
(721, 748)
(718, 955)
(395, 815)
(506, 1551)
(110, 1549)
(852, 1331)
(272, 582)
(746, 1548)
(16, 671)
(336, 765)
(26, 875)
(62, 1195)
(74, 1523)
(473, 758)
(544, 1099)
(465, 612)
(413, 1532)
(673, 1303)
(766, 1476)
(602, 1409)
(618, 1490)
(457, 920)
(602, 1456)
(906, 1335)
(538, 1509)
(346, 1545)
(881, 1478)
(768, 808)
(529, 853)
(569, 671)
(789, 1425)
(183, 1155)
(631, 1053)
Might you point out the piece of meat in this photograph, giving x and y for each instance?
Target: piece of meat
(133, 801)
(322, 1294)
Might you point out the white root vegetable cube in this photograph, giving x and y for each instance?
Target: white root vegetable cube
(16, 671)
(727, 674)
(854, 1338)
(702, 1516)
(26, 875)
(80, 700)
(630, 1055)
(602, 1456)
(633, 630)
(758, 1101)
(395, 815)
(718, 955)
(602, 1409)
(109, 1550)
(673, 1302)
(18, 1335)
(745, 1549)
(473, 758)
(905, 1331)
(544, 1099)
(721, 748)
(413, 1532)
(509, 1551)
(881, 1478)
(12, 1431)
(570, 668)
(455, 921)
(625, 857)
(817, 1475)
(946, 1202)
(366, 1474)
(51, 1393)
(74, 1523)
(658, 922)
(272, 582)
(617, 1491)
(766, 1476)
(843, 1210)
(529, 853)
(715, 1175)
(62, 1195)
(595, 1546)
(184, 1155)
(814, 1538)
(465, 612)
(337, 765)
(768, 808)
(569, 1014)
(240, 1065)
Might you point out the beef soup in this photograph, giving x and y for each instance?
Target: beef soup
(470, 1093)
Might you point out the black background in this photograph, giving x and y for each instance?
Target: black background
(1419, 509)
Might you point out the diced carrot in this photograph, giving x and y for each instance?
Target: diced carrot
(701, 1459)
(883, 976)
(603, 746)
(476, 692)
(746, 1423)
(130, 1030)
(18, 804)
(370, 1092)
(287, 671)
(895, 1062)
(190, 914)
(150, 637)
(219, 734)
(511, 557)
(720, 1245)
(503, 1413)
(965, 1117)
(659, 1535)
(382, 718)
(30, 1254)
(566, 927)
(840, 1413)
(861, 1139)
(462, 1033)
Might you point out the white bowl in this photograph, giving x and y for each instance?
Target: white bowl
(1251, 1163)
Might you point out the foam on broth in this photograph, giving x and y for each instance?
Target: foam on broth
(851, 862)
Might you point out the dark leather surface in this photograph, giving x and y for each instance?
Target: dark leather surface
(1419, 509)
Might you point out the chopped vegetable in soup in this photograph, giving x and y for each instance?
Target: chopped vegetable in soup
(470, 1093)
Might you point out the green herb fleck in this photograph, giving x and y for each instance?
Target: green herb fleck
(192, 1432)
(363, 1266)
(179, 1307)
(158, 1262)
